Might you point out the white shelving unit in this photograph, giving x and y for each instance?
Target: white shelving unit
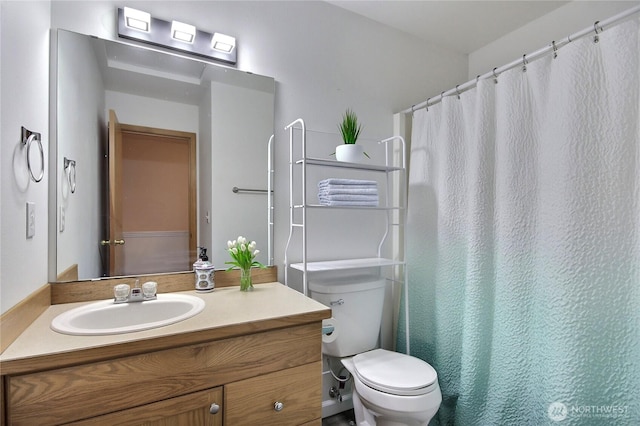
(394, 208)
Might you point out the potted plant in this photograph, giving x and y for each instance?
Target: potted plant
(350, 130)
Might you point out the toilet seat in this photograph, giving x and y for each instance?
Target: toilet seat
(395, 373)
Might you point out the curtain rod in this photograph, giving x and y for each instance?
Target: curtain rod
(597, 28)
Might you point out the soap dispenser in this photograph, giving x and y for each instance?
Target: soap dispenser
(204, 272)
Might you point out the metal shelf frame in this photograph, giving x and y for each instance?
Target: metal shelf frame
(395, 208)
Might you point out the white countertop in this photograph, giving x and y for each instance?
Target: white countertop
(225, 307)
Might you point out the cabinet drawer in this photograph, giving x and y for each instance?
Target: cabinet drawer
(191, 409)
(252, 401)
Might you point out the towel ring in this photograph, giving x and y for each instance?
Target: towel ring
(28, 137)
(70, 171)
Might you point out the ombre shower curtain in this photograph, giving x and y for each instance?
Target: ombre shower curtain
(523, 240)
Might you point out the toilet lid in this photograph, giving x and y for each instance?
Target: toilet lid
(394, 373)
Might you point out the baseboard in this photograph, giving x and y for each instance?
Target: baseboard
(19, 317)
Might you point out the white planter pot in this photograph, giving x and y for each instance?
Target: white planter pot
(350, 153)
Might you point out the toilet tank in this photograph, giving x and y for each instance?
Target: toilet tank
(356, 304)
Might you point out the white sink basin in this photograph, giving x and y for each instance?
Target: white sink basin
(106, 317)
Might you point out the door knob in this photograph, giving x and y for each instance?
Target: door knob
(278, 406)
(214, 408)
(108, 242)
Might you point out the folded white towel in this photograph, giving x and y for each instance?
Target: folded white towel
(337, 203)
(349, 187)
(345, 189)
(348, 197)
(338, 181)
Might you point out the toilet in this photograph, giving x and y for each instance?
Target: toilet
(390, 388)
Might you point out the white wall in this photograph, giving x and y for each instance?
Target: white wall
(562, 22)
(205, 192)
(324, 59)
(24, 65)
(238, 158)
(142, 111)
(81, 91)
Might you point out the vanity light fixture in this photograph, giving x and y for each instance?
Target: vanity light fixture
(183, 32)
(223, 42)
(137, 19)
(176, 36)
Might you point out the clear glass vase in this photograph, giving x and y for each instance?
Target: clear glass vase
(246, 284)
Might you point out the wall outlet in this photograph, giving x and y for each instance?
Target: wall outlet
(31, 219)
(62, 218)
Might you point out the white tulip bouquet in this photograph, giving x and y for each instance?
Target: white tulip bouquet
(243, 254)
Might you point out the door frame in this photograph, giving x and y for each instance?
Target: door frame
(116, 192)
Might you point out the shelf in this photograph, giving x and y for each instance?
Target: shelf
(345, 165)
(336, 265)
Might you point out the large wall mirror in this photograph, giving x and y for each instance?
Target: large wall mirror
(154, 154)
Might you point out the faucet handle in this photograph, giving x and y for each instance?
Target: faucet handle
(121, 292)
(149, 290)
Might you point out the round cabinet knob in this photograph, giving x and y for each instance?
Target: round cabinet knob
(214, 408)
(278, 406)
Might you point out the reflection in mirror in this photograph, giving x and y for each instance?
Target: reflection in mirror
(156, 179)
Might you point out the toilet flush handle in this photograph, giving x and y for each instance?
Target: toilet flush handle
(337, 302)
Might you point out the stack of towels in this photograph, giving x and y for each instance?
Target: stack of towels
(348, 192)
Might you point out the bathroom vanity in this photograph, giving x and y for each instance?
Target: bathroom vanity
(246, 359)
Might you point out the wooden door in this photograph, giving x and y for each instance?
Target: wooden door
(120, 136)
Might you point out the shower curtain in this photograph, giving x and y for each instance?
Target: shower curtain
(523, 240)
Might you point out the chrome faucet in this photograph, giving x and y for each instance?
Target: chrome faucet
(124, 294)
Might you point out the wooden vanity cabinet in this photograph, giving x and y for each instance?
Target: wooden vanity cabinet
(266, 378)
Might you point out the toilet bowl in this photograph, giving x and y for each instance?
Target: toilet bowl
(393, 389)
(390, 389)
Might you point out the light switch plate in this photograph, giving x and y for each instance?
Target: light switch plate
(31, 219)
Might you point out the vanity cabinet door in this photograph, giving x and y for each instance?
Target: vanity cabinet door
(288, 397)
(202, 408)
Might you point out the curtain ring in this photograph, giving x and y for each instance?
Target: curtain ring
(524, 63)
(596, 38)
(457, 91)
(427, 105)
(442, 96)
(495, 76)
(555, 49)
